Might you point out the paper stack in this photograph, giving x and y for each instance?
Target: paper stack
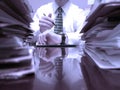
(15, 57)
(102, 35)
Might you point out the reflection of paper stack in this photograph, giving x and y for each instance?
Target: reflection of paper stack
(102, 35)
(102, 59)
(15, 58)
(25, 83)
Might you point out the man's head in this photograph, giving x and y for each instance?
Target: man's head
(61, 2)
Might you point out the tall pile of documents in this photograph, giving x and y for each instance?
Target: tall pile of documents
(102, 47)
(15, 57)
(102, 33)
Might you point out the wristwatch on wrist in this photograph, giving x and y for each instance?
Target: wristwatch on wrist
(64, 36)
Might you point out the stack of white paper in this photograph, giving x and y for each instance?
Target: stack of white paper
(102, 35)
(15, 58)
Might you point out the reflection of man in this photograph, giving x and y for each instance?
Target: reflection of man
(48, 63)
(44, 19)
(59, 66)
(48, 54)
(47, 57)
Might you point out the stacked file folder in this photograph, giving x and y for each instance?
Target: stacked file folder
(15, 56)
(102, 34)
(101, 61)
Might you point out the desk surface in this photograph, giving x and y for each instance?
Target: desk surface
(67, 75)
(62, 68)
